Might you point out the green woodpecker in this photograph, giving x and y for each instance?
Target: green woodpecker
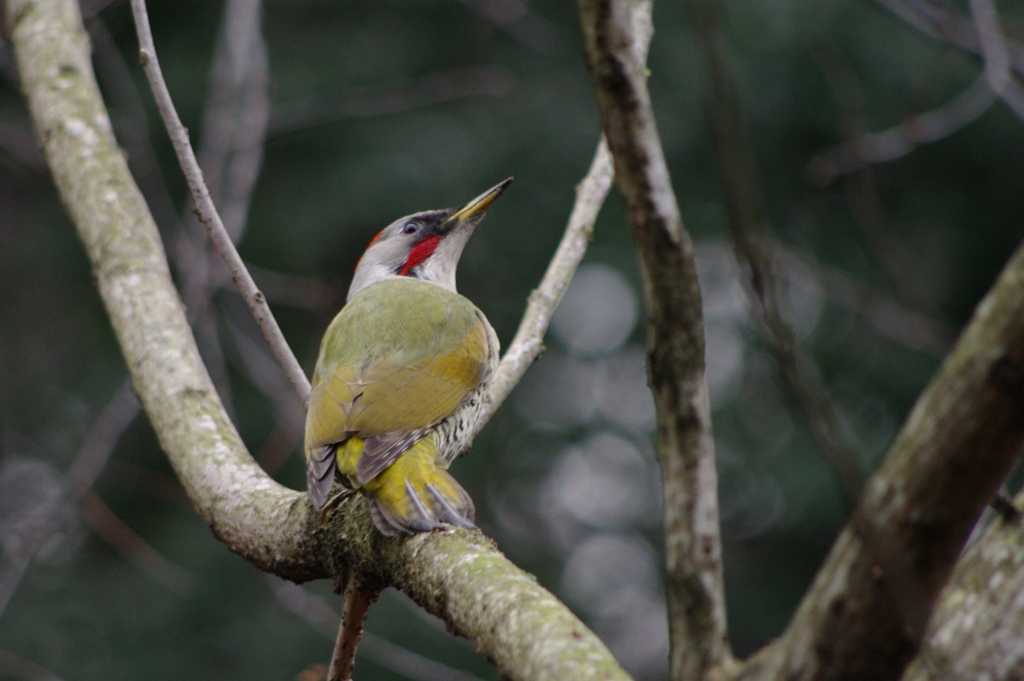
(400, 376)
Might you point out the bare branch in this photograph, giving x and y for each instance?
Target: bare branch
(133, 548)
(945, 24)
(738, 168)
(428, 90)
(190, 250)
(997, 56)
(697, 626)
(316, 612)
(207, 212)
(591, 192)
(898, 141)
(862, 194)
(131, 125)
(90, 461)
(887, 317)
(527, 344)
(236, 114)
(359, 596)
(975, 630)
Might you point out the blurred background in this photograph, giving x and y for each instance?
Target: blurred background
(320, 121)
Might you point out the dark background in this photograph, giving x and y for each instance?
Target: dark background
(384, 108)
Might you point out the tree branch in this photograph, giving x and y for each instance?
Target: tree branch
(528, 342)
(403, 662)
(738, 169)
(458, 576)
(997, 56)
(898, 141)
(887, 317)
(697, 626)
(428, 90)
(975, 630)
(92, 458)
(945, 24)
(236, 114)
(359, 596)
(133, 548)
(207, 212)
(864, 615)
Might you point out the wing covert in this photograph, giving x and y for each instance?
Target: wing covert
(426, 358)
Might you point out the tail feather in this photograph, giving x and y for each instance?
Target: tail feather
(444, 510)
(320, 471)
(415, 495)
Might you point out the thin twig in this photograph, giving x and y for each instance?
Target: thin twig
(236, 114)
(92, 458)
(428, 90)
(315, 611)
(898, 141)
(945, 24)
(997, 56)
(697, 622)
(527, 344)
(230, 156)
(861, 190)
(131, 124)
(358, 598)
(738, 168)
(132, 547)
(207, 212)
(889, 318)
(591, 192)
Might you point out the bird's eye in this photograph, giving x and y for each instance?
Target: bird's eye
(411, 228)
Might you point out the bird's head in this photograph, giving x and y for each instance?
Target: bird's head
(424, 245)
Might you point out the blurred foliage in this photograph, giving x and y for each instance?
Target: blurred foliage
(564, 477)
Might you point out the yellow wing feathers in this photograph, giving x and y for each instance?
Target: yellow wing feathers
(414, 494)
(386, 374)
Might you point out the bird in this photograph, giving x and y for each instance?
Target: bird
(401, 375)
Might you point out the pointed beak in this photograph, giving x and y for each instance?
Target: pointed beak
(474, 210)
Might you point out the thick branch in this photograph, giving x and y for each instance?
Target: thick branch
(975, 630)
(458, 576)
(249, 511)
(864, 615)
(675, 338)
